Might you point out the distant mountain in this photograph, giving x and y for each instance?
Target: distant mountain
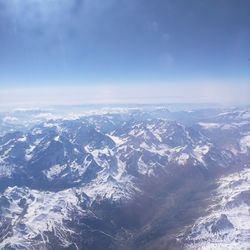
(136, 179)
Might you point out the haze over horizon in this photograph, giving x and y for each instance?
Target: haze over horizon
(116, 51)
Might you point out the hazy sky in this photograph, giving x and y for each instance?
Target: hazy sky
(168, 49)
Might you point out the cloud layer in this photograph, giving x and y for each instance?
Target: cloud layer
(131, 94)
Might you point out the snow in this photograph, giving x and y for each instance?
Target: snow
(76, 150)
(43, 212)
(238, 214)
(7, 151)
(228, 126)
(245, 143)
(78, 170)
(200, 151)
(246, 115)
(121, 169)
(54, 171)
(6, 171)
(101, 156)
(118, 141)
(105, 187)
(57, 138)
(22, 139)
(36, 131)
(47, 116)
(145, 169)
(182, 159)
(48, 211)
(31, 148)
(28, 152)
(10, 119)
(210, 125)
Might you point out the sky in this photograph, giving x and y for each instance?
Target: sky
(145, 51)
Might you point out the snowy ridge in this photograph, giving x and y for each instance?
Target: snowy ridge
(32, 213)
(226, 226)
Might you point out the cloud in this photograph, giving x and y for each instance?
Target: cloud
(199, 92)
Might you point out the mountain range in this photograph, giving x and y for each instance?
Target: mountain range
(135, 178)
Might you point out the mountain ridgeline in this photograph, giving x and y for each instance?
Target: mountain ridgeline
(136, 179)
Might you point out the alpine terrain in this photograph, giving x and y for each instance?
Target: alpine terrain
(125, 179)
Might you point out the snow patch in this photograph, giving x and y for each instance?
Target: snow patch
(245, 143)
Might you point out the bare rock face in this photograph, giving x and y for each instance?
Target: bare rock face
(222, 224)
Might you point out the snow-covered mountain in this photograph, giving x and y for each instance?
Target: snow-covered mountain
(226, 223)
(126, 180)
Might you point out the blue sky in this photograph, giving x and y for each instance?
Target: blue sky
(161, 44)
